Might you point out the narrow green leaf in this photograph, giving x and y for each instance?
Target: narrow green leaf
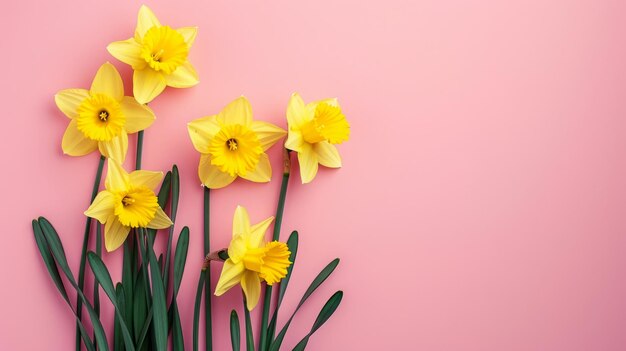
(329, 308)
(159, 307)
(175, 190)
(118, 340)
(56, 248)
(321, 277)
(140, 307)
(128, 281)
(46, 255)
(101, 273)
(177, 330)
(235, 337)
(164, 192)
(180, 258)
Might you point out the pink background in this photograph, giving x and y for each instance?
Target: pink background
(481, 203)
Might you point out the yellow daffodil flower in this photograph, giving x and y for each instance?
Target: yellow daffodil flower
(101, 117)
(128, 202)
(251, 260)
(232, 144)
(158, 55)
(314, 129)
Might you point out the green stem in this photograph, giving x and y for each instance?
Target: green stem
(139, 149)
(96, 291)
(266, 335)
(83, 254)
(249, 335)
(196, 311)
(207, 273)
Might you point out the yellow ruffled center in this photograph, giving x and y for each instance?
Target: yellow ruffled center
(164, 49)
(328, 123)
(136, 206)
(271, 261)
(100, 117)
(235, 149)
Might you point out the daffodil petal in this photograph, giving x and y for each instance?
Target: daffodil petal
(102, 206)
(262, 173)
(128, 51)
(237, 248)
(114, 233)
(147, 84)
(237, 112)
(267, 133)
(251, 286)
(231, 275)
(211, 176)
(184, 76)
(108, 82)
(241, 221)
(327, 154)
(68, 101)
(147, 178)
(145, 20)
(160, 221)
(297, 113)
(294, 140)
(258, 231)
(117, 177)
(115, 148)
(307, 158)
(138, 116)
(202, 131)
(75, 143)
(189, 33)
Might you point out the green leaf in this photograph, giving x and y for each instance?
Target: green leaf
(177, 330)
(56, 248)
(159, 306)
(140, 307)
(329, 308)
(46, 255)
(164, 192)
(175, 190)
(101, 273)
(235, 337)
(118, 340)
(321, 277)
(180, 258)
(292, 243)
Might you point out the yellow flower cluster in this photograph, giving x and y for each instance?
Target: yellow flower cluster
(231, 143)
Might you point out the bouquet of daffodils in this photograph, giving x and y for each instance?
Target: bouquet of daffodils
(135, 206)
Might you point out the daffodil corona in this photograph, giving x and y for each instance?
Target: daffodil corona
(128, 202)
(251, 260)
(158, 55)
(232, 144)
(101, 117)
(314, 129)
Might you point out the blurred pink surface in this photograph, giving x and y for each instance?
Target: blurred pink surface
(481, 203)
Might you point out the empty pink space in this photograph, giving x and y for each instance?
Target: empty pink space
(481, 201)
